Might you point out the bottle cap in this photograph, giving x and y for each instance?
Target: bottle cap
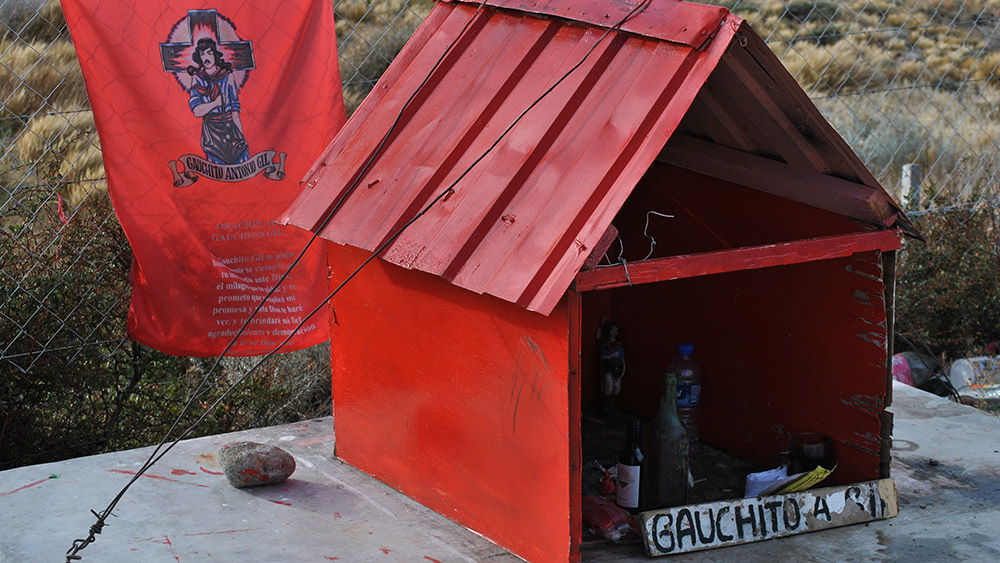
(685, 348)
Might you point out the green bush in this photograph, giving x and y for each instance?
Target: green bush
(948, 289)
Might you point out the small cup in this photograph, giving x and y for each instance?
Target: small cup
(809, 450)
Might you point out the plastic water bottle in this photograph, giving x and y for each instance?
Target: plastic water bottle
(688, 388)
(971, 371)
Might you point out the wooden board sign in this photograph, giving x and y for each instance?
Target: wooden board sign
(695, 527)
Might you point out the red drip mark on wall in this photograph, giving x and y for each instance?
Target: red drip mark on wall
(211, 472)
(28, 486)
(431, 559)
(280, 502)
(157, 477)
(182, 472)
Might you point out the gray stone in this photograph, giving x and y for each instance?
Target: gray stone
(248, 464)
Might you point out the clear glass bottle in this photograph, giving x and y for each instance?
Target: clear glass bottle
(688, 388)
(664, 476)
(629, 469)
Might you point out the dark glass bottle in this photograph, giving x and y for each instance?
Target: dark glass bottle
(665, 466)
(629, 470)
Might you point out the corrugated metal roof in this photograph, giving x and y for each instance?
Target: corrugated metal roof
(521, 222)
(517, 214)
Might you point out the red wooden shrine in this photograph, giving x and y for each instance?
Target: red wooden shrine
(464, 355)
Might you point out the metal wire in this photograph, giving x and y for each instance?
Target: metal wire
(903, 81)
(79, 544)
(908, 94)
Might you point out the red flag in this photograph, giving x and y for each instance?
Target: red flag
(209, 113)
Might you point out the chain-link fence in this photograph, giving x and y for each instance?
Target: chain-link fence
(904, 81)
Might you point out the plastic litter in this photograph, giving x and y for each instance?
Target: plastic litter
(608, 520)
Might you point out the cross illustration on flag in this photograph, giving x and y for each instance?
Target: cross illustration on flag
(209, 114)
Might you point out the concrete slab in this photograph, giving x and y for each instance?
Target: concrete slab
(184, 510)
(946, 465)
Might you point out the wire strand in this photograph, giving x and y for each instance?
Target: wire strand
(157, 454)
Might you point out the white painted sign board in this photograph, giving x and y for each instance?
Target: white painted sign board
(695, 527)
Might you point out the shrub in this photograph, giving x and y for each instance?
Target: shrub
(948, 289)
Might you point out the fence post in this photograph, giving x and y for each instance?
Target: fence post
(910, 190)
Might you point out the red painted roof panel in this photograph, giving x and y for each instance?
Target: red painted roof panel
(525, 207)
(670, 20)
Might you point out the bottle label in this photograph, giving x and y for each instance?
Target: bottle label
(627, 490)
(688, 395)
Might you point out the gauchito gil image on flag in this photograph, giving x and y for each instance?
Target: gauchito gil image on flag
(209, 114)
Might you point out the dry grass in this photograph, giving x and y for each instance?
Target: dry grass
(950, 134)
(46, 115)
(39, 76)
(66, 143)
(903, 80)
(45, 119)
(369, 36)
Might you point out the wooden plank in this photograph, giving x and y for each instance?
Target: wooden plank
(575, 306)
(821, 132)
(747, 258)
(481, 437)
(717, 121)
(742, 94)
(771, 176)
(719, 524)
(601, 248)
(687, 23)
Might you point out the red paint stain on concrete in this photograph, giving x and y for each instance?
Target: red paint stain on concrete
(337, 515)
(203, 470)
(171, 546)
(314, 440)
(280, 502)
(385, 550)
(219, 532)
(431, 559)
(166, 540)
(331, 558)
(182, 472)
(28, 486)
(148, 476)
